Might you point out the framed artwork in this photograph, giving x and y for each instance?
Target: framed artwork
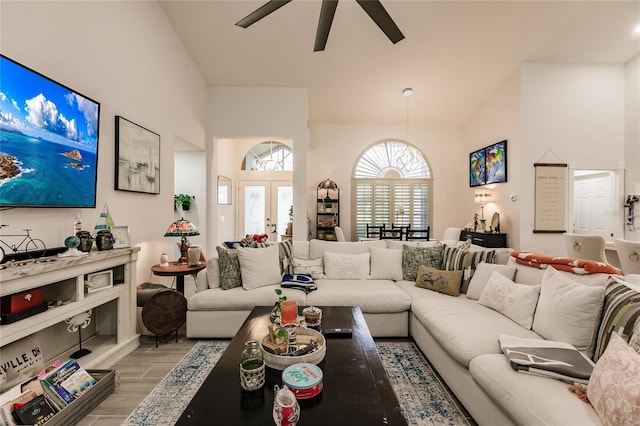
(477, 175)
(495, 157)
(121, 236)
(99, 281)
(137, 158)
(551, 198)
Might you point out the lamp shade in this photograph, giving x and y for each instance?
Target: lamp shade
(181, 228)
(483, 196)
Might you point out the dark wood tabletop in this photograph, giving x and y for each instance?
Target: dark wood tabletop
(356, 388)
(178, 270)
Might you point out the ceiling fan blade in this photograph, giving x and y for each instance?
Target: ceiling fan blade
(264, 10)
(327, 11)
(379, 14)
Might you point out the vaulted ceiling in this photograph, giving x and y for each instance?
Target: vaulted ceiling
(455, 54)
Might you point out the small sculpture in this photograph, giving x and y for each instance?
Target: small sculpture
(475, 222)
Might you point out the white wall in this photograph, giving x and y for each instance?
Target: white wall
(499, 119)
(191, 169)
(335, 149)
(257, 113)
(126, 56)
(632, 136)
(577, 112)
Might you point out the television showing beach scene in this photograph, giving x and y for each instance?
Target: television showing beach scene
(48, 141)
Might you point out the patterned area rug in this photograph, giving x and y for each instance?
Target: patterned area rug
(424, 399)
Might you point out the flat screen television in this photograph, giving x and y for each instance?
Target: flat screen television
(48, 141)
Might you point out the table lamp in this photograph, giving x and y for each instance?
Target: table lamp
(483, 196)
(182, 228)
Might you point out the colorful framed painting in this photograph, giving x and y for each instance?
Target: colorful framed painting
(477, 175)
(496, 162)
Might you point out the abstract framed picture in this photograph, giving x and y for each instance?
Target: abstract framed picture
(477, 168)
(137, 158)
(496, 162)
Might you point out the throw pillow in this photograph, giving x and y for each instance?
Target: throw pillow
(614, 386)
(229, 268)
(340, 266)
(413, 257)
(568, 311)
(386, 264)
(233, 244)
(311, 267)
(483, 273)
(455, 258)
(515, 301)
(285, 249)
(213, 275)
(621, 313)
(259, 267)
(447, 282)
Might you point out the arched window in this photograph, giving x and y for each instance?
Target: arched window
(269, 156)
(391, 185)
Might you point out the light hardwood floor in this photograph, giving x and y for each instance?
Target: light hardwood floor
(136, 376)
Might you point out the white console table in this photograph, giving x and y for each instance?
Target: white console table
(112, 332)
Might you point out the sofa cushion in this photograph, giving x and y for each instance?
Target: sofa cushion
(482, 274)
(301, 249)
(213, 275)
(621, 313)
(311, 267)
(318, 247)
(285, 252)
(339, 266)
(229, 268)
(515, 301)
(614, 386)
(372, 296)
(238, 298)
(259, 267)
(568, 312)
(412, 257)
(386, 264)
(445, 282)
(463, 327)
(528, 399)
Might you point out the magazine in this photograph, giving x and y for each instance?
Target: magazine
(547, 358)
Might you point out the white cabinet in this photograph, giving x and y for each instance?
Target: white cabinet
(112, 332)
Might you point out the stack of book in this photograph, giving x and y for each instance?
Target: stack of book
(46, 394)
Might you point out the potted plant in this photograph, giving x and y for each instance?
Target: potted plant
(328, 206)
(183, 201)
(275, 312)
(290, 224)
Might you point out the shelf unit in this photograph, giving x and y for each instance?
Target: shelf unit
(327, 210)
(112, 332)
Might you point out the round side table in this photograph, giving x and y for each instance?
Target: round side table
(178, 270)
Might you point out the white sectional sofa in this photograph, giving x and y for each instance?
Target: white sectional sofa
(458, 335)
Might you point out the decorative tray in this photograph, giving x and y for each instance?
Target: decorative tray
(280, 362)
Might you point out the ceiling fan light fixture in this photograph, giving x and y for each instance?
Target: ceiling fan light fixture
(407, 91)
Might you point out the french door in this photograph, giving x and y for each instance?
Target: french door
(264, 207)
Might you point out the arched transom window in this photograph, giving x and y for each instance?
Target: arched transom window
(392, 185)
(269, 157)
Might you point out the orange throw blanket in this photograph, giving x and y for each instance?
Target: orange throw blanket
(569, 264)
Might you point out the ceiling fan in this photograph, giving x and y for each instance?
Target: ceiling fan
(373, 8)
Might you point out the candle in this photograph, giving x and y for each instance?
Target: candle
(288, 312)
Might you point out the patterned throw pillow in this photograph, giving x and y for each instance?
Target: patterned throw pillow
(285, 249)
(413, 257)
(614, 386)
(515, 301)
(447, 282)
(456, 259)
(229, 268)
(621, 313)
(313, 267)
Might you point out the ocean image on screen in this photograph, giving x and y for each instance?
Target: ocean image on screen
(48, 141)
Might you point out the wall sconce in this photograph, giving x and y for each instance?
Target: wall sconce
(483, 196)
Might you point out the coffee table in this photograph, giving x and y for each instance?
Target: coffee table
(356, 388)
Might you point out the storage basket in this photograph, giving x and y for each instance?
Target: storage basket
(281, 362)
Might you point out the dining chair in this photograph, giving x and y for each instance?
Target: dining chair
(629, 256)
(418, 234)
(401, 228)
(339, 233)
(373, 231)
(451, 233)
(582, 246)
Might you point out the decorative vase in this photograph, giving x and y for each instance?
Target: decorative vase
(193, 256)
(275, 313)
(251, 366)
(164, 260)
